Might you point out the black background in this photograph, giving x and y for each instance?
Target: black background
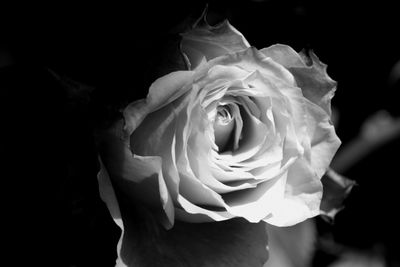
(50, 172)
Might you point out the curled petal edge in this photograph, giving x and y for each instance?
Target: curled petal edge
(310, 73)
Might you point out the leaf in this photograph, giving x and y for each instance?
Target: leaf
(336, 189)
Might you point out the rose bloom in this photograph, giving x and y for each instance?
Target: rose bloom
(241, 133)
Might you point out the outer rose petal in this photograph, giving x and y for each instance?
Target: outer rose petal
(163, 91)
(205, 41)
(324, 141)
(107, 194)
(309, 72)
(250, 60)
(139, 178)
(302, 198)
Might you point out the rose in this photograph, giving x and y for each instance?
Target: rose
(240, 133)
(243, 133)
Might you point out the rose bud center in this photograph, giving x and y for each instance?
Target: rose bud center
(224, 125)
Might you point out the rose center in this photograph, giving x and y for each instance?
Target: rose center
(223, 127)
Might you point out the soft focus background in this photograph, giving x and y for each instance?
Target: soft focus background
(51, 168)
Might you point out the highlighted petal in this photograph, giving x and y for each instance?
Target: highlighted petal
(252, 60)
(303, 193)
(256, 203)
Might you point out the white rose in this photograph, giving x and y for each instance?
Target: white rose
(244, 133)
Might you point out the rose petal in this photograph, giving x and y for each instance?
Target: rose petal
(303, 193)
(199, 193)
(314, 130)
(187, 165)
(315, 83)
(256, 203)
(250, 105)
(161, 92)
(198, 213)
(155, 136)
(136, 176)
(265, 166)
(236, 123)
(228, 73)
(208, 41)
(201, 169)
(324, 141)
(284, 55)
(200, 147)
(229, 175)
(168, 88)
(254, 134)
(223, 132)
(107, 194)
(309, 72)
(238, 127)
(252, 60)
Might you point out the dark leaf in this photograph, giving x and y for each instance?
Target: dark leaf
(336, 189)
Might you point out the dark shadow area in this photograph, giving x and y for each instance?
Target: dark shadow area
(53, 212)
